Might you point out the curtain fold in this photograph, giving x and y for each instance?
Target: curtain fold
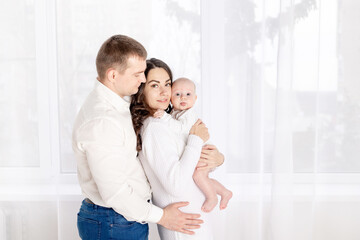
(281, 221)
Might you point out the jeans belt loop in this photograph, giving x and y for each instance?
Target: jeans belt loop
(89, 201)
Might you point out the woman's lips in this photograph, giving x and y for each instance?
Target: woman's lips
(162, 100)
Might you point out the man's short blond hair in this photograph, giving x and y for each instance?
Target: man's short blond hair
(115, 52)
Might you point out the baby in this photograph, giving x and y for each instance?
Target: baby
(183, 98)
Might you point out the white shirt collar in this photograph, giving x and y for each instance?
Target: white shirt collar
(118, 102)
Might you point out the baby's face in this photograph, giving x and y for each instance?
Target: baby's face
(183, 94)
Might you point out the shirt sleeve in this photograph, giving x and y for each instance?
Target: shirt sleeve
(107, 157)
(174, 172)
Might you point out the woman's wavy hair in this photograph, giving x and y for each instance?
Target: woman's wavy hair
(138, 107)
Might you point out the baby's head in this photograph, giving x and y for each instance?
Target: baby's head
(183, 95)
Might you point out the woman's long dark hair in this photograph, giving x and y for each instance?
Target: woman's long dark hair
(138, 107)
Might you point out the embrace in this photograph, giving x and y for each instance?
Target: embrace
(128, 137)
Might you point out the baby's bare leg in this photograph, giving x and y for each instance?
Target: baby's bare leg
(205, 184)
(225, 193)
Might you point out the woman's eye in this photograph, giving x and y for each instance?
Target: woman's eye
(154, 86)
(168, 85)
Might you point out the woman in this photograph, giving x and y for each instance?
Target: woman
(169, 163)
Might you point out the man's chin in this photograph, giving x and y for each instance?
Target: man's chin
(135, 91)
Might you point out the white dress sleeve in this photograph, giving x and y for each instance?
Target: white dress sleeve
(174, 172)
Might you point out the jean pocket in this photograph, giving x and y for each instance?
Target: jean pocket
(121, 222)
(89, 229)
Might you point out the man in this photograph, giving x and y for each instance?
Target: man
(117, 203)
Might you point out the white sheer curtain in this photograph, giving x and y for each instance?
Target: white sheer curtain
(277, 86)
(290, 114)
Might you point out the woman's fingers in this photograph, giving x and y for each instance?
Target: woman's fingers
(209, 149)
(201, 164)
(205, 154)
(198, 122)
(204, 168)
(209, 146)
(211, 156)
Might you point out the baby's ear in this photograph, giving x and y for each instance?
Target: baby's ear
(195, 97)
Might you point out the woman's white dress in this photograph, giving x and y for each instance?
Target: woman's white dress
(169, 164)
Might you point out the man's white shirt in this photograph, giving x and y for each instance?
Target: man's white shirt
(109, 172)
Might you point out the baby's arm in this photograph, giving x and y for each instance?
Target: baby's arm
(172, 123)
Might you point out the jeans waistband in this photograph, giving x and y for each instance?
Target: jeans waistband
(88, 205)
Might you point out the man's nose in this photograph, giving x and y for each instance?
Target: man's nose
(142, 78)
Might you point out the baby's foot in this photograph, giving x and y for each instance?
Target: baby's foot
(225, 199)
(209, 204)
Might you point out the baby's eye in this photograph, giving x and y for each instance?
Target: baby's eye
(177, 94)
(188, 94)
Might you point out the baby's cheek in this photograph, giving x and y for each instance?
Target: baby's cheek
(174, 102)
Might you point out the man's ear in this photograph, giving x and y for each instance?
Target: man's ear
(111, 74)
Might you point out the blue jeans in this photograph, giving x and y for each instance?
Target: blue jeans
(96, 222)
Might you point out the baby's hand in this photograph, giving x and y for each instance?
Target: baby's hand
(159, 113)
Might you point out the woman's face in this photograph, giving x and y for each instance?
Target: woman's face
(157, 89)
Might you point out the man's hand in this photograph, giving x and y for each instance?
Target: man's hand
(210, 157)
(176, 220)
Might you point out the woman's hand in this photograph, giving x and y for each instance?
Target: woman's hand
(210, 157)
(199, 129)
